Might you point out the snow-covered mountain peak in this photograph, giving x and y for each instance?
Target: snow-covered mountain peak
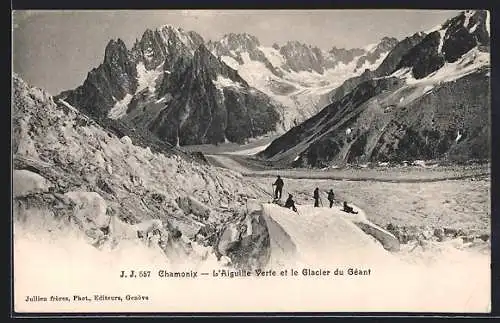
(169, 32)
(474, 19)
(470, 20)
(295, 74)
(383, 45)
(114, 49)
(164, 42)
(169, 26)
(446, 70)
(296, 44)
(240, 41)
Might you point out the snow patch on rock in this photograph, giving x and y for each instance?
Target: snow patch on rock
(473, 29)
(26, 182)
(488, 22)
(147, 78)
(69, 106)
(468, 14)
(222, 82)
(120, 107)
(273, 55)
(231, 62)
(469, 63)
(428, 88)
(442, 33)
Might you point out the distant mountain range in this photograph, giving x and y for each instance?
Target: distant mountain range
(424, 97)
(185, 91)
(296, 74)
(428, 99)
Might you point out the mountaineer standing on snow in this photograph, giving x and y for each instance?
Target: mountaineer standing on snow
(279, 188)
(290, 203)
(331, 197)
(316, 197)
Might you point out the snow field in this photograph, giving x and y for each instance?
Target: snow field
(437, 278)
(324, 240)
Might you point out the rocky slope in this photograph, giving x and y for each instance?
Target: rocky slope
(169, 85)
(429, 99)
(295, 74)
(73, 176)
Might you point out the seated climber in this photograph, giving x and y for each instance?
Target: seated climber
(290, 203)
(348, 209)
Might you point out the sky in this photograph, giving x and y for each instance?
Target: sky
(55, 50)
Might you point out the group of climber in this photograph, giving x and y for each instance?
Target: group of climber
(290, 203)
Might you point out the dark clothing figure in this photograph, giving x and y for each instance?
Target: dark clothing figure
(316, 197)
(349, 209)
(290, 203)
(331, 198)
(279, 188)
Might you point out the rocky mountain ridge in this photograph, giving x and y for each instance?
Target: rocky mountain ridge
(152, 86)
(429, 99)
(295, 74)
(144, 86)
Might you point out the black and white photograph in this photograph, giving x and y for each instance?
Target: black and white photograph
(250, 161)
